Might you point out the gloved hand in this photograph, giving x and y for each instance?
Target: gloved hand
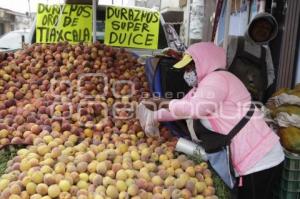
(146, 118)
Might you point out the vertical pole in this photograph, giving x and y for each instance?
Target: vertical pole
(262, 5)
(29, 12)
(29, 6)
(227, 21)
(94, 19)
(159, 5)
(189, 21)
(249, 4)
(23, 40)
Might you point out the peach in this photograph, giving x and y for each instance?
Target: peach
(15, 189)
(169, 181)
(200, 186)
(97, 180)
(208, 181)
(53, 191)
(60, 168)
(133, 190)
(31, 188)
(208, 191)
(43, 149)
(49, 179)
(175, 163)
(101, 168)
(191, 171)
(82, 184)
(112, 192)
(14, 196)
(82, 167)
(3, 184)
(37, 177)
(186, 194)
(64, 185)
(156, 180)
(135, 155)
(84, 177)
(42, 189)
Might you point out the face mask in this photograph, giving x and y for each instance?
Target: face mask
(190, 78)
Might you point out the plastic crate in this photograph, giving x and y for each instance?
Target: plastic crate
(290, 179)
(291, 175)
(292, 161)
(290, 186)
(289, 195)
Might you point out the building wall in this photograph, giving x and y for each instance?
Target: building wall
(7, 27)
(148, 3)
(130, 2)
(297, 78)
(209, 12)
(10, 20)
(185, 26)
(196, 20)
(22, 22)
(169, 4)
(193, 22)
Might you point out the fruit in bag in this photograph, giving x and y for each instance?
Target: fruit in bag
(290, 138)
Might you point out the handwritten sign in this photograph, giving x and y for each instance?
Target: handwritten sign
(131, 27)
(56, 23)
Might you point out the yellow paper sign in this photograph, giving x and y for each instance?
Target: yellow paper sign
(131, 27)
(56, 23)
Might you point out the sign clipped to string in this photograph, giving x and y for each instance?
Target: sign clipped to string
(131, 27)
(56, 23)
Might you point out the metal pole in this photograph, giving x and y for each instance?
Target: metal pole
(94, 19)
(189, 21)
(159, 5)
(227, 21)
(262, 5)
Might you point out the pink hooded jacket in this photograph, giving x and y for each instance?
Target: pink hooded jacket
(222, 99)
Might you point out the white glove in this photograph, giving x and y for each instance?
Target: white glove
(146, 118)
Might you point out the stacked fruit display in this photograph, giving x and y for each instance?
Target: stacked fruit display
(285, 110)
(112, 165)
(43, 86)
(73, 105)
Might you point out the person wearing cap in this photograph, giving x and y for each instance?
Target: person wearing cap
(219, 100)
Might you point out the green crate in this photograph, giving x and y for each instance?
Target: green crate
(290, 179)
(292, 161)
(291, 175)
(289, 195)
(291, 186)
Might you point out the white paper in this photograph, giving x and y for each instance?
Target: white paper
(284, 119)
(284, 99)
(238, 23)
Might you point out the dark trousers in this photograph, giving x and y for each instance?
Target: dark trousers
(259, 185)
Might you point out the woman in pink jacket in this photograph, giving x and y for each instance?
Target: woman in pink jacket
(219, 100)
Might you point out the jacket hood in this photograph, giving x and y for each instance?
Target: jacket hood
(207, 57)
(271, 20)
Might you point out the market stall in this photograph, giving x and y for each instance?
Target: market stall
(71, 108)
(284, 114)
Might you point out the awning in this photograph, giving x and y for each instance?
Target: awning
(90, 2)
(172, 15)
